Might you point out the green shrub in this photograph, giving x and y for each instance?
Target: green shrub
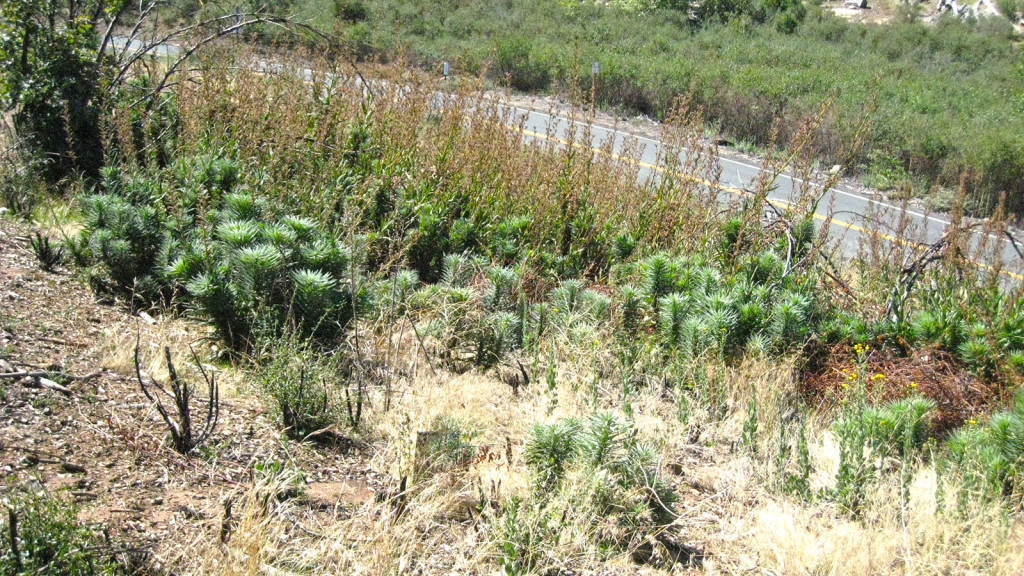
(672, 313)
(990, 455)
(21, 184)
(351, 11)
(602, 471)
(218, 250)
(128, 243)
(550, 450)
(501, 286)
(499, 333)
(521, 66)
(51, 541)
(894, 428)
(660, 276)
(631, 309)
(48, 255)
(444, 446)
(301, 386)
(458, 270)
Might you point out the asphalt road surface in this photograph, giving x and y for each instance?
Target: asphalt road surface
(849, 214)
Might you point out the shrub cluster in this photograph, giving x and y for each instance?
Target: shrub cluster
(745, 62)
(220, 251)
(593, 476)
(50, 540)
(989, 456)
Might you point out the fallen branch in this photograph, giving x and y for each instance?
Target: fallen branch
(47, 374)
(44, 379)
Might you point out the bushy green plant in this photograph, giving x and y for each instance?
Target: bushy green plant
(869, 433)
(50, 540)
(521, 66)
(458, 270)
(273, 272)
(990, 455)
(605, 443)
(631, 309)
(550, 450)
(894, 428)
(445, 445)
(501, 286)
(48, 254)
(672, 313)
(300, 385)
(660, 276)
(129, 245)
(21, 185)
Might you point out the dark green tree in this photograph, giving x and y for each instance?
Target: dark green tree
(50, 78)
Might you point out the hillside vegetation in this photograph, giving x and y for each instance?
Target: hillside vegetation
(552, 366)
(944, 98)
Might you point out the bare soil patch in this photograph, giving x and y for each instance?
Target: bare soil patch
(104, 445)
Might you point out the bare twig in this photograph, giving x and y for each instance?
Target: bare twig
(182, 436)
(12, 529)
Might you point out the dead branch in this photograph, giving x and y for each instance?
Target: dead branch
(914, 267)
(45, 379)
(45, 374)
(182, 435)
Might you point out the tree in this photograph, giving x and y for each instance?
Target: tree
(60, 60)
(50, 78)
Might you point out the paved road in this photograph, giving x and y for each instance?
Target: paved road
(853, 215)
(850, 215)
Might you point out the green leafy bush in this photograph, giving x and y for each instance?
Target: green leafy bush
(127, 245)
(604, 443)
(521, 66)
(48, 255)
(446, 445)
(51, 541)
(216, 250)
(990, 455)
(301, 385)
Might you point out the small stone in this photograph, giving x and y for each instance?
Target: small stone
(158, 501)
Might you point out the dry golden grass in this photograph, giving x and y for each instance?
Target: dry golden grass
(449, 520)
(182, 336)
(728, 508)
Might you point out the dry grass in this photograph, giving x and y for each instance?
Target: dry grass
(182, 336)
(450, 520)
(447, 522)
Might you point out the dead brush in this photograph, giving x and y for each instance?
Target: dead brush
(183, 438)
(571, 193)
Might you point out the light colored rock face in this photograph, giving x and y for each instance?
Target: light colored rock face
(977, 9)
(880, 12)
